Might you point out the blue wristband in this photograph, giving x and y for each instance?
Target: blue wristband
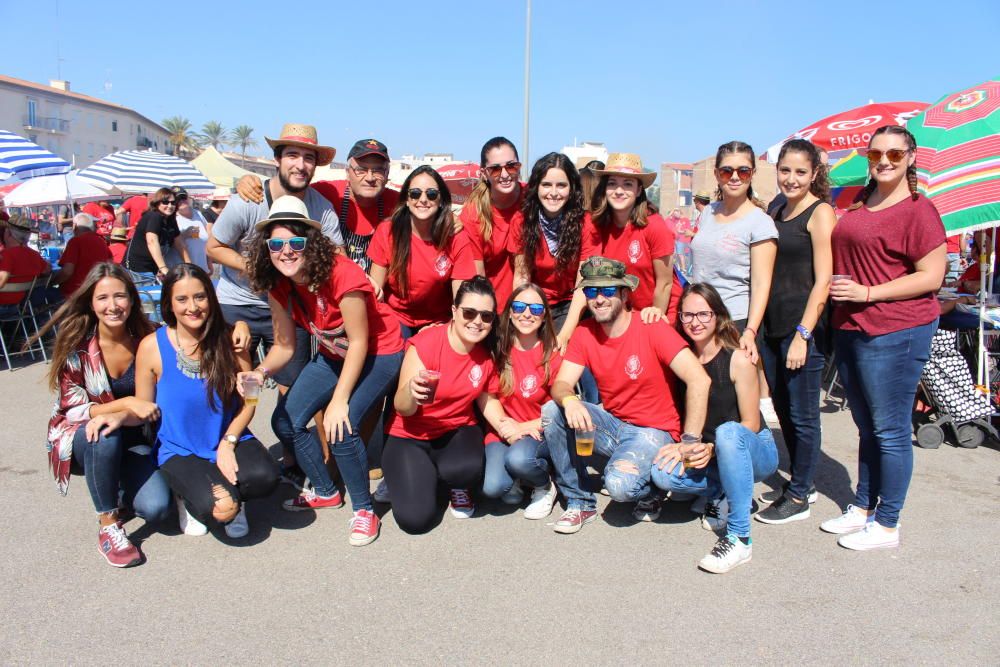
(805, 333)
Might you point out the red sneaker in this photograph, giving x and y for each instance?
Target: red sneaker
(365, 525)
(573, 520)
(461, 505)
(310, 501)
(115, 546)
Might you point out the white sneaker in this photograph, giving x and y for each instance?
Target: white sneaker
(461, 504)
(238, 527)
(872, 536)
(514, 496)
(728, 552)
(853, 518)
(716, 515)
(543, 499)
(189, 524)
(767, 409)
(647, 509)
(381, 494)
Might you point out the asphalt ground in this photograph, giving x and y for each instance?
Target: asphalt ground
(498, 589)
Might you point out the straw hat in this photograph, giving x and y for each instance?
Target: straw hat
(704, 195)
(221, 194)
(303, 136)
(288, 208)
(19, 221)
(119, 234)
(629, 165)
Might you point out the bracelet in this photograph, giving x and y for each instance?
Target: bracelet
(745, 329)
(571, 397)
(263, 371)
(868, 296)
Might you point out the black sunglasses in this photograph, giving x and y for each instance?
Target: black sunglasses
(535, 309)
(432, 193)
(470, 314)
(167, 202)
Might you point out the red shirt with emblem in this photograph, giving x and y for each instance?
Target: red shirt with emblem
(463, 378)
(83, 251)
(633, 371)
(102, 213)
(557, 285)
(135, 207)
(360, 219)
(319, 313)
(495, 253)
(429, 273)
(23, 264)
(531, 391)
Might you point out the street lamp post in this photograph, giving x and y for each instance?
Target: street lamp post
(527, 88)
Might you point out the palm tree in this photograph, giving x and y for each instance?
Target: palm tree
(213, 134)
(242, 136)
(180, 134)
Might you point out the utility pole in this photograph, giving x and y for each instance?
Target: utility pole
(527, 90)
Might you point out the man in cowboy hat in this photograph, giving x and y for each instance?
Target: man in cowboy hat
(635, 365)
(18, 262)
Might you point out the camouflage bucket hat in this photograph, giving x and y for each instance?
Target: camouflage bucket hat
(604, 272)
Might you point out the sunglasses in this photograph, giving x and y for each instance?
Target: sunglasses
(704, 316)
(296, 243)
(606, 292)
(432, 193)
(469, 314)
(744, 173)
(894, 155)
(536, 309)
(168, 202)
(513, 168)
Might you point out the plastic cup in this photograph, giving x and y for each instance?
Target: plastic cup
(431, 379)
(251, 390)
(839, 276)
(584, 442)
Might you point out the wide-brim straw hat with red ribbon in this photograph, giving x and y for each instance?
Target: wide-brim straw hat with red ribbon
(303, 136)
(628, 165)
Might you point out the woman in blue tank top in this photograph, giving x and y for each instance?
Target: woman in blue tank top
(188, 367)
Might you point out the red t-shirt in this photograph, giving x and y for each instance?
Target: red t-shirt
(495, 254)
(323, 318)
(876, 247)
(105, 218)
(557, 285)
(531, 391)
(360, 219)
(23, 264)
(83, 252)
(429, 275)
(632, 371)
(637, 247)
(954, 243)
(463, 378)
(135, 207)
(118, 250)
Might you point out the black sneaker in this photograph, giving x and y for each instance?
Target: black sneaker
(772, 496)
(784, 510)
(295, 478)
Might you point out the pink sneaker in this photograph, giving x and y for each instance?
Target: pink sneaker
(573, 520)
(310, 501)
(462, 506)
(116, 548)
(365, 525)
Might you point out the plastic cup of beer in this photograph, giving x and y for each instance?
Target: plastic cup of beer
(251, 390)
(431, 379)
(584, 442)
(839, 276)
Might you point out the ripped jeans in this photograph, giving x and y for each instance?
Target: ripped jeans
(630, 450)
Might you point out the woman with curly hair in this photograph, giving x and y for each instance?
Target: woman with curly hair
(360, 354)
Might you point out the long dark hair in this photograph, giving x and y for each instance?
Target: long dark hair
(820, 186)
(508, 332)
(639, 217)
(480, 195)
(75, 320)
(738, 148)
(481, 286)
(589, 182)
(911, 171)
(571, 227)
(442, 227)
(725, 329)
(218, 360)
(317, 257)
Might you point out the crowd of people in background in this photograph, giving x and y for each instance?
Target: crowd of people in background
(551, 338)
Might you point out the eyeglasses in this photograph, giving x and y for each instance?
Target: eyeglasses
(378, 173)
(513, 168)
(894, 155)
(744, 173)
(470, 314)
(432, 193)
(704, 316)
(606, 292)
(296, 243)
(536, 309)
(168, 202)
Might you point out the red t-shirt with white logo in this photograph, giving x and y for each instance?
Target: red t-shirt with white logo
(557, 285)
(321, 315)
(495, 255)
(531, 391)
(429, 274)
(463, 378)
(360, 219)
(633, 371)
(100, 212)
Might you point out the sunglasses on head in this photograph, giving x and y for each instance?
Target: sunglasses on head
(894, 155)
(432, 193)
(606, 292)
(536, 309)
(513, 168)
(469, 314)
(704, 316)
(296, 243)
(744, 173)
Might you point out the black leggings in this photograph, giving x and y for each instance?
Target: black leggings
(412, 469)
(195, 479)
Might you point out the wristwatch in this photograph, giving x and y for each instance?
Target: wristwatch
(804, 333)
(231, 439)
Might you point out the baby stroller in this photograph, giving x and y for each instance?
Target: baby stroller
(956, 404)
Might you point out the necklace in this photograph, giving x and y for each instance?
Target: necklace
(186, 365)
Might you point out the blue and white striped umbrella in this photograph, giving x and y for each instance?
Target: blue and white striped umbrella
(146, 171)
(21, 159)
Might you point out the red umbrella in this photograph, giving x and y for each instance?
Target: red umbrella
(852, 129)
(461, 178)
(7, 188)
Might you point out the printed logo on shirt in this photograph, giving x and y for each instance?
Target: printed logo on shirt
(634, 251)
(731, 244)
(633, 367)
(476, 376)
(442, 264)
(529, 384)
(321, 304)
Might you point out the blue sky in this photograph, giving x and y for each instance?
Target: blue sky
(668, 80)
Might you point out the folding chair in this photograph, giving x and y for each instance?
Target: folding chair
(20, 319)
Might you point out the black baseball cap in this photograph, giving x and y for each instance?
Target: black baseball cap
(365, 147)
(179, 192)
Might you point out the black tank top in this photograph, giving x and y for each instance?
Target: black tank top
(793, 274)
(723, 405)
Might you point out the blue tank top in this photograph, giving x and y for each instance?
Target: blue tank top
(189, 425)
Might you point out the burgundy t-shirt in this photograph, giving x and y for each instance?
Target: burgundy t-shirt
(880, 246)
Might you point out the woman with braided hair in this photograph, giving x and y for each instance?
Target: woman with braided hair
(888, 261)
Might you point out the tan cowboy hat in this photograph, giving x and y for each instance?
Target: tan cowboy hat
(303, 136)
(19, 221)
(627, 164)
(704, 195)
(119, 234)
(288, 208)
(221, 194)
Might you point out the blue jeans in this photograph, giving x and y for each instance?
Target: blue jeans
(880, 375)
(311, 392)
(796, 396)
(109, 466)
(741, 458)
(630, 451)
(528, 460)
(954, 266)
(496, 480)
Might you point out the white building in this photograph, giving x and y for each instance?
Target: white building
(78, 128)
(581, 154)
